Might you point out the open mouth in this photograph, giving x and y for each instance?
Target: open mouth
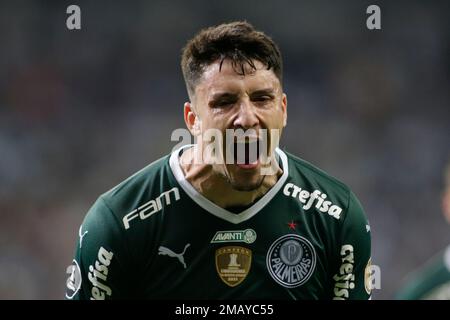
(246, 152)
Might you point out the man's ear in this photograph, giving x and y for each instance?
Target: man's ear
(191, 119)
(284, 106)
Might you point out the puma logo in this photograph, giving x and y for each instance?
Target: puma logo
(167, 252)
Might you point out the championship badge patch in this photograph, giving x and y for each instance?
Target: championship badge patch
(291, 260)
(233, 264)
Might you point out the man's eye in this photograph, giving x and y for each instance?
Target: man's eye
(262, 98)
(223, 103)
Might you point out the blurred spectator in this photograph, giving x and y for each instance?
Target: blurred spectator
(432, 281)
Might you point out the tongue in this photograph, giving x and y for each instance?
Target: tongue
(248, 166)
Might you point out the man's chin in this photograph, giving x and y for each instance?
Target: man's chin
(245, 186)
(245, 177)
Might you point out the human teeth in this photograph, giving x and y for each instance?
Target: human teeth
(247, 140)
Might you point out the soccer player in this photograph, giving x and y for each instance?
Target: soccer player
(432, 281)
(189, 226)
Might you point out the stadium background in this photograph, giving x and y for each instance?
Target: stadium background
(82, 110)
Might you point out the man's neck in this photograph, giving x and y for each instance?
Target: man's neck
(216, 187)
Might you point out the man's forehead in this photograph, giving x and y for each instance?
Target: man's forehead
(217, 77)
(226, 68)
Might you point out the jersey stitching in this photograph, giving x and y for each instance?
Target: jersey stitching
(124, 238)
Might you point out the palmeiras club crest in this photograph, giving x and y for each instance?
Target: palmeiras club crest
(291, 260)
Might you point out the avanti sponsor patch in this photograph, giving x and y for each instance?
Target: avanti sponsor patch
(246, 236)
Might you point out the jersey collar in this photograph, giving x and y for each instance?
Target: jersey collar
(214, 209)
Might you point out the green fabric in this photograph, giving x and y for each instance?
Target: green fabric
(136, 245)
(430, 282)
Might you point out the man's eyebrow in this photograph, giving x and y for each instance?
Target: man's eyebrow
(268, 91)
(222, 95)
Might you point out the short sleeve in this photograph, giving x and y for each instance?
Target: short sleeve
(98, 269)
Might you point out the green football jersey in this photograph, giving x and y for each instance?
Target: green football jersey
(431, 282)
(155, 236)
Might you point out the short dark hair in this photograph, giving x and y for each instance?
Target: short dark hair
(237, 41)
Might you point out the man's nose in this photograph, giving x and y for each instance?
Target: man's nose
(246, 117)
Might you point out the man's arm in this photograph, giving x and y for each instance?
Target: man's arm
(98, 269)
(351, 278)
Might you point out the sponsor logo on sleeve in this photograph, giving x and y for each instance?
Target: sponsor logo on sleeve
(345, 278)
(98, 275)
(368, 277)
(315, 199)
(73, 283)
(233, 264)
(291, 260)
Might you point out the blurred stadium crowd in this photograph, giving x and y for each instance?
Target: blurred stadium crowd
(82, 110)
